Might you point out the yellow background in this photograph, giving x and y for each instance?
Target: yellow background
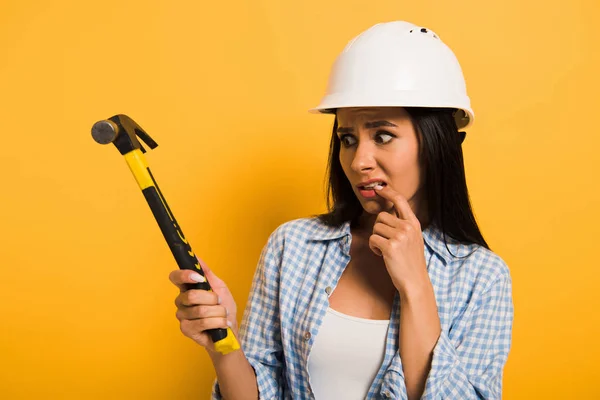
(86, 308)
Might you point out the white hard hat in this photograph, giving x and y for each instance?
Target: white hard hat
(397, 64)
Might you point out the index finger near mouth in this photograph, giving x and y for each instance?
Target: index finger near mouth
(401, 206)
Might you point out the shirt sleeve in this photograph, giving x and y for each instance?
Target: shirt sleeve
(260, 334)
(469, 360)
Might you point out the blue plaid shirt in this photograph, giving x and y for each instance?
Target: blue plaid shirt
(288, 301)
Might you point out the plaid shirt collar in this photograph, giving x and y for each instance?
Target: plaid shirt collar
(433, 237)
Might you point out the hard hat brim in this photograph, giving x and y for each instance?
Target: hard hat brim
(330, 104)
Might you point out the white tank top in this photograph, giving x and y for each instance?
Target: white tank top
(346, 355)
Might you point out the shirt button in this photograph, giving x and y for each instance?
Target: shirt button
(328, 290)
(387, 394)
(307, 336)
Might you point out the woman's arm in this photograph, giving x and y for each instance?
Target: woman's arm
(419, 332)
(235, 376)
(468, 360)
(255, 371)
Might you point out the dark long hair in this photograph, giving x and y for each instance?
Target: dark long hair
(441, 159)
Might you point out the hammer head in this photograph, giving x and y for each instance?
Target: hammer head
(105, 132)
(123, 132)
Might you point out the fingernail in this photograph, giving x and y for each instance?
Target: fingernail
(229, 324)
(197, 278)
(378, 187)
(218, 299)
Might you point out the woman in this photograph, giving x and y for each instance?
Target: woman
(394, 293)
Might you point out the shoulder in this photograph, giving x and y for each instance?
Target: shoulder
(488, 263)
(486, 270)
(467, 264)
(292, 243)
(484, 276)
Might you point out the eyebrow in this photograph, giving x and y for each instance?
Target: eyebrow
(368, 125)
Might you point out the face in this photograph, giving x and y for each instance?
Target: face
(379, 143)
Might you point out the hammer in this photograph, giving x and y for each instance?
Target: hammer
(123, 132)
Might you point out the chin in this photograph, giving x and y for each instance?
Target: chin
(372, 207)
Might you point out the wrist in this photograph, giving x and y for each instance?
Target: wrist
(213, 353)
(219, 358)
(416, 292)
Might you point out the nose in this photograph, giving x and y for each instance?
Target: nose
(364, 157)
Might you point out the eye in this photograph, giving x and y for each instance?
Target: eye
(384, 133)
(346, 143)
(348, 140)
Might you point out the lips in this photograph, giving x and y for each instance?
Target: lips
(370, 184)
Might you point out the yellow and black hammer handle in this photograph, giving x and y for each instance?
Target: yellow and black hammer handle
(122, 131)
